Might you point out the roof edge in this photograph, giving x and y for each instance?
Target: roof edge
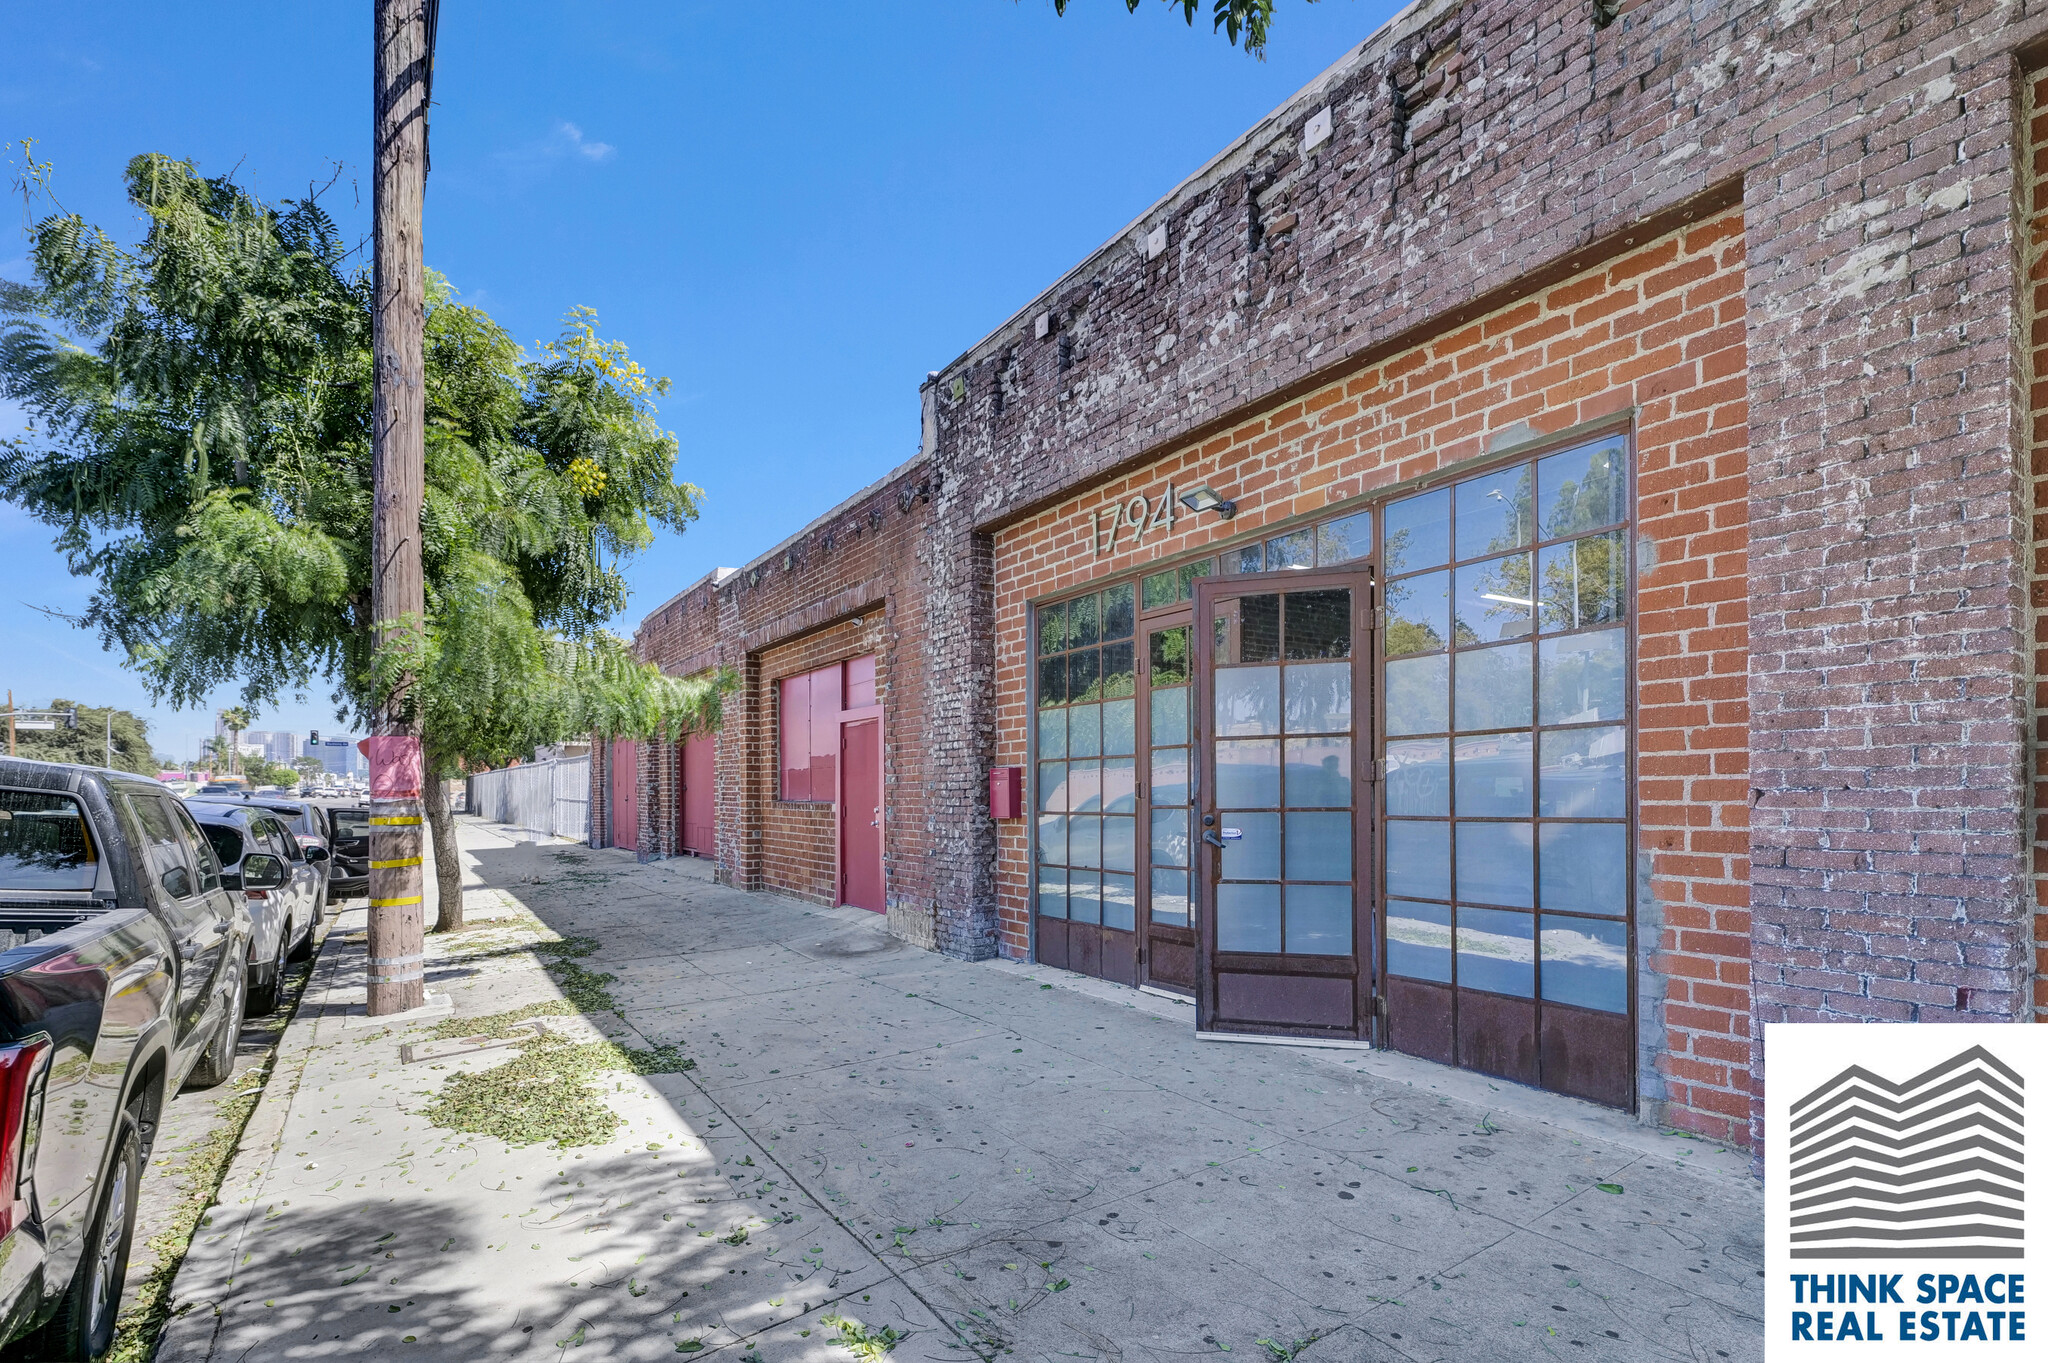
(1399, 25)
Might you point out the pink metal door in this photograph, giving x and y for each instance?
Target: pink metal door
(700, 820)
(625, 801)
(860, 814)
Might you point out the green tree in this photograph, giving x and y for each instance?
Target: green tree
(1245, 21)
(202, 408)
(235, 719)
(87, 744)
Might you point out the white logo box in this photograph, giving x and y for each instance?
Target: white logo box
(1894, 1191)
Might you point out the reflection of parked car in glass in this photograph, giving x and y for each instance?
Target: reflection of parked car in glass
(121, 970)
(282, 914)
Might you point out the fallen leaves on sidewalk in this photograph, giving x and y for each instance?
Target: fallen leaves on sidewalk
(544, 1092)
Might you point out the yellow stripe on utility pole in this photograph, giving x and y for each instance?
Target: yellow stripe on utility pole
(395, 820)
(389, 865)
(394, 903)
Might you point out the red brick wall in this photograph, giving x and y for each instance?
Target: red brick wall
(799, 841)
(850, 583)
(1659, 329)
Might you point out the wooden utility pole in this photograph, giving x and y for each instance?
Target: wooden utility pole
(397, 977)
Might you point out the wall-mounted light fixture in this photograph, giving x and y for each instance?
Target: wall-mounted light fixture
(1206, 498)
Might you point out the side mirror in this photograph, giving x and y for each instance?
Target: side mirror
(316, 855)
(178, 882)
(261, 871)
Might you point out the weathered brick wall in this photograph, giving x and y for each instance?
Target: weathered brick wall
(799, 841)
(1484, 151)
(850, 583)
(1654, 338)
(2035, 245)
(1482, 146)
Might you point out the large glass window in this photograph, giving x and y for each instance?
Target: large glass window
(1171, 813)
(1087, 777)
(1093, 760)
(1507, 733)
(1343, 540)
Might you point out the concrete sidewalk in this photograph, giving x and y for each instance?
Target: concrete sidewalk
(990, 1158)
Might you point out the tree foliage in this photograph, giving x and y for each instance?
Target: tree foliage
(202, 450)
(87, 744)
(1244, 22)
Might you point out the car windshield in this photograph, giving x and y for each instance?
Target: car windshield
(350, 823)
(227, 843)
(44, 843)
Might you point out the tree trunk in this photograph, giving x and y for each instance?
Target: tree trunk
(397, 978)
(447, 857)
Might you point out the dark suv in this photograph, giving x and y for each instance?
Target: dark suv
(121, 977)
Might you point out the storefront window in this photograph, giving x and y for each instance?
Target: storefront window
(1092, 762)
(1170, 673)
(1087, 749)
(1505, 688)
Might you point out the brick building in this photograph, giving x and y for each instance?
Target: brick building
(1528, 558)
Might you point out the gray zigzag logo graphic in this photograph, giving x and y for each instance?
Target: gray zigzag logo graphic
(1926, 1168)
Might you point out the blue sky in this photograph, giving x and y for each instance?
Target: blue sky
(793, 210)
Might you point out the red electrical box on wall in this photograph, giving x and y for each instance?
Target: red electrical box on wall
(1006, 792)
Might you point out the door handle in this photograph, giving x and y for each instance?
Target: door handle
(1209, 836)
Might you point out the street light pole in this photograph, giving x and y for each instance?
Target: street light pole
(397, 978)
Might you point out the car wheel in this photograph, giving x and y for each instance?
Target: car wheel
(263, 1000)
(219, 1060)
(84, 1325)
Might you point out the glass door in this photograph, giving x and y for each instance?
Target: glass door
(1283, 809)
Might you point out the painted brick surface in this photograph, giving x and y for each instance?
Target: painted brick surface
(2035, 375)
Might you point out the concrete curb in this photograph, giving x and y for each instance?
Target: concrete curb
(206, 1277)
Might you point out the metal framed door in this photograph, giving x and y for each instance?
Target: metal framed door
(1284, 756)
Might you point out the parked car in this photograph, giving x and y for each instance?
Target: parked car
(309, 828)
(222, 788)
(351, 846)
(121, 978)
(281, 916)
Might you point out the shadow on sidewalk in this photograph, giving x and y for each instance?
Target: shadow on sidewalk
(1040, 1169)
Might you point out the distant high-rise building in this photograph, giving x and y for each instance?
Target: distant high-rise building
(340, 756)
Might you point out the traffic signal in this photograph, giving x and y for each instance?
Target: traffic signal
(313, 738)
(71, 719)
